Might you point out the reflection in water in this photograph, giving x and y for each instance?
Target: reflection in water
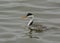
(31, 32)
(31, 36)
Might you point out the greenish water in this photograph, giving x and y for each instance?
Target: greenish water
(46, 12)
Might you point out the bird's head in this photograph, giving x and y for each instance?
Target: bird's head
(29, 15)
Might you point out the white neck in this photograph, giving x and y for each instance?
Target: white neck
(31, 20)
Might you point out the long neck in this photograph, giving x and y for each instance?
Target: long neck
(30, 22)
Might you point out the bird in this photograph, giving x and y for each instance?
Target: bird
(37, 27)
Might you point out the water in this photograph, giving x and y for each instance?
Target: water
(11, 25)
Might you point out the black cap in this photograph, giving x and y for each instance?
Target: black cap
(29, 14)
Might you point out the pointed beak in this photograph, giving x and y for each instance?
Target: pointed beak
(24, 17)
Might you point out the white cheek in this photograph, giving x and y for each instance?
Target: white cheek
(30, 16)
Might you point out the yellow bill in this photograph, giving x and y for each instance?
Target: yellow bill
(24, 17)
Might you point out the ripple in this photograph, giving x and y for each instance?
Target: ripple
(52, 38)
(6, 35)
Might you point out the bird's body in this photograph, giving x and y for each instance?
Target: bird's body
(37, 27)
(34, 26)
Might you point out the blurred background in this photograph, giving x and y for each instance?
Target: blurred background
(45, 11)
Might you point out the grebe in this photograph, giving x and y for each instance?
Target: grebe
(37, 27)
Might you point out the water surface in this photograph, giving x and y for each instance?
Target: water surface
(46, 12)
